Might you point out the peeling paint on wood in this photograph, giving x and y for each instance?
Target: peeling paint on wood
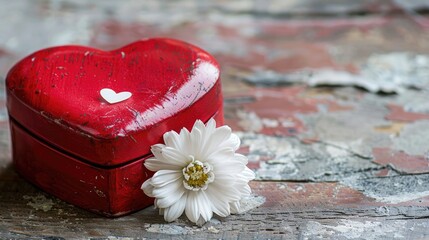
(397, 113)
(352, 229)
(410, 139)
(169, 229)
(289, 159)
(39, 202)
(401, 161)
(388, 73)
(393, 189)
(251, 202)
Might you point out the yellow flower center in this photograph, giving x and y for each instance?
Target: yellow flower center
(197, 175)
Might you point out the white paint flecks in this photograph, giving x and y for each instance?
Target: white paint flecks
(389, 73)
(400, 197)
(99, 193)
(112, 97)
(411, 137)
(392, 189)
(170, 229)
(269, 145)
(270, 123)
(279, 150)
(251, 122)
(251, 202)
(334, 77)
(337, 149)
(39, 202)
(348, 229)
(213, 229)
(180, 228)
(119, 238)
(367, 229)
(315, 230)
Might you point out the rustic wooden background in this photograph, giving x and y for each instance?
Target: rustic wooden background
(329, 97)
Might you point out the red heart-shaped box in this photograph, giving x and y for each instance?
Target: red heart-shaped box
(72, 143)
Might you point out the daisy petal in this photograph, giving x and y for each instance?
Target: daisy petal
(204, 206)
(246, 190)
(164, 177)
(248, 174)
(176, 210)
(185, 138)
(210, 127)
(227, 192)
(196, 143)
(191, 209)
(172, 139)
(158, 162)
(154, 165)
(174, 156)
(222, 156)
(218, 206)
(235, 207)
(198, 173)
(214, 140)
(167, 190)
(147, 188)
(171, 199)
(233, 141)
(157, 151)
(243, 159)
(234, 167)
(243, 188)
(199, 125)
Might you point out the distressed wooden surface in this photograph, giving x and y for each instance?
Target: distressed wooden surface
(349, 161)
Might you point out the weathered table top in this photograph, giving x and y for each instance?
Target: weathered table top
(330, 99)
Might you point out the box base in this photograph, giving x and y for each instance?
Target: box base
(109, 191)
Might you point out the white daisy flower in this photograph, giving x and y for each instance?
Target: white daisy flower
(198, 173)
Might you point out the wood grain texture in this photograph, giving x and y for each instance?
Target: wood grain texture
(290, 211)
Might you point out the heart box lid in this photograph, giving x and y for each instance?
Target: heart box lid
(55, 95)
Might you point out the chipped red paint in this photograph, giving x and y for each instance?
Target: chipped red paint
(324, 195)
(65, 134)
(113, 34)
(298, 196)
(420, 19)
(282, 105)
(309, 140)
(319, 28)
(401, 161)
(397, 113)
(384, 172)
(422, 201)
(259, 51)
(252, 164)
(289, 57)
(244, 150)
(4, 52)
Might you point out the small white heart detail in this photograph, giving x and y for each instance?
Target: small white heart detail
(112, 97)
